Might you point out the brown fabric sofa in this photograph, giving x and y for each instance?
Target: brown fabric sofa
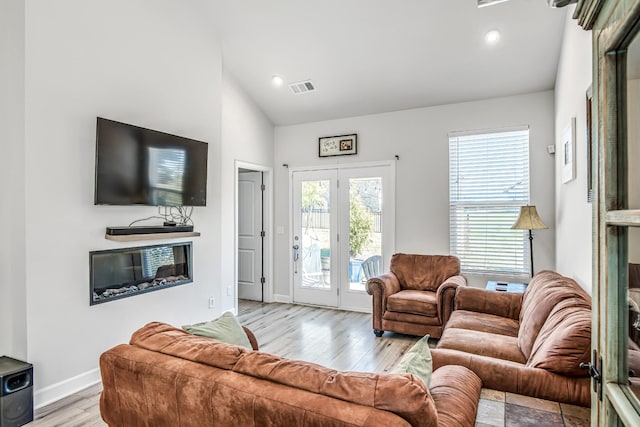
(416, 296)
(168, 377)
(531, 343)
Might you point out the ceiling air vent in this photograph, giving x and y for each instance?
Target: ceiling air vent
(483, 3)
(302, 87)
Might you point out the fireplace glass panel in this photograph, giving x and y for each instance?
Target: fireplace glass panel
(122, 273)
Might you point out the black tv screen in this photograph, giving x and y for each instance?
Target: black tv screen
(138, 166)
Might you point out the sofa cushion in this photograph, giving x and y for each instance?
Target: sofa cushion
(503, 304)
(424, 272)
(409, 320)
(416, 361)
(167, 339)
(564, 340)
(380, 391)
(225, 328)
(415, 302)
(481, 343)
(545, 291)
(484, 322)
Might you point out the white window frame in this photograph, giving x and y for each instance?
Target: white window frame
(488, 182)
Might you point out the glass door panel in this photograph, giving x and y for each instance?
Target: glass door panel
(631, 326)
(367, 222)
(630, 304)
(314, 237)
(365, 230)
(316, 231)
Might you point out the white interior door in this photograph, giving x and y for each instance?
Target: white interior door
(250, 238)
(343, 233)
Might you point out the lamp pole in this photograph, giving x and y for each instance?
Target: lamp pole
(531, 250)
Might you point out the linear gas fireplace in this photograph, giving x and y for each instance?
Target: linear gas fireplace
(121, 273)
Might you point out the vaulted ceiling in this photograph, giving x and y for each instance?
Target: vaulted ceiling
(372, 56)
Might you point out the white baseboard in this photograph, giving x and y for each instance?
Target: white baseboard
(356, 309)
(286, 299)
(50, 394)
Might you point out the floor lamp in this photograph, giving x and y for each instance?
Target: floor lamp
(529, 220)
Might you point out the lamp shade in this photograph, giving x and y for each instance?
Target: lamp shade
(529, 219)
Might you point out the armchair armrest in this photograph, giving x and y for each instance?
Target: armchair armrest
(504, 304)
(445, 296)
(381, 287)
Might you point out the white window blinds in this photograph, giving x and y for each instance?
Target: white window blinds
(488, 182)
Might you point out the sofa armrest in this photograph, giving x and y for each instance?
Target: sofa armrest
(252, 338)
(381, 287)
(456, 393)
(445, 296)
(503, 304)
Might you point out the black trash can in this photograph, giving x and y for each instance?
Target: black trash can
(16, 392)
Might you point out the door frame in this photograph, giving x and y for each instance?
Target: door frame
(615, 25)
(352, 165)
(267, 210)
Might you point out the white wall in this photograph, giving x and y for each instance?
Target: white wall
(420, 138)
(573, 213)
(13, 320)
(153, 63)
(247, 136)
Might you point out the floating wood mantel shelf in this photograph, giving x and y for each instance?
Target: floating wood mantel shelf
(150, 236)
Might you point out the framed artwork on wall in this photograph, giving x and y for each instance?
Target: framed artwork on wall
(340, 145)
(568, 151)
(589, 146)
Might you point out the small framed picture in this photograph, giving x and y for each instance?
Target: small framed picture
(589, 145)
(569, 152)
(340, 145)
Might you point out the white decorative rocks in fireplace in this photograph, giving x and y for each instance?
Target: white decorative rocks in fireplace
(121, 273)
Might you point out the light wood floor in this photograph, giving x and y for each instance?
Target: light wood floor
(340, 340)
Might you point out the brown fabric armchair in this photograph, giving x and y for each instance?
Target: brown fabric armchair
(416, 296)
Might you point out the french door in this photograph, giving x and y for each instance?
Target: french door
(343, 232)
(615, 365)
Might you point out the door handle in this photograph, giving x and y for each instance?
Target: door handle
(296, 255)
(595, 372)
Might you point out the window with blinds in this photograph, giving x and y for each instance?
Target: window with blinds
(488, 182)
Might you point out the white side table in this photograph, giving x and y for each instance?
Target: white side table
(514, 287)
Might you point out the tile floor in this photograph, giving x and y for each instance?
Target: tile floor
(500, 409)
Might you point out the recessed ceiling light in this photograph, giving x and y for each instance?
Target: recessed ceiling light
(492, 37)
(277, 81)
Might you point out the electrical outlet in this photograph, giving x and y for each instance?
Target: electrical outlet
(211, 302)
(228, 291)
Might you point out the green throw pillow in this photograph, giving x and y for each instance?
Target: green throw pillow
(417, 361)
(225, 328)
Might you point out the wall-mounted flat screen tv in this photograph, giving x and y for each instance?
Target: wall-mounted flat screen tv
(138, 166)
